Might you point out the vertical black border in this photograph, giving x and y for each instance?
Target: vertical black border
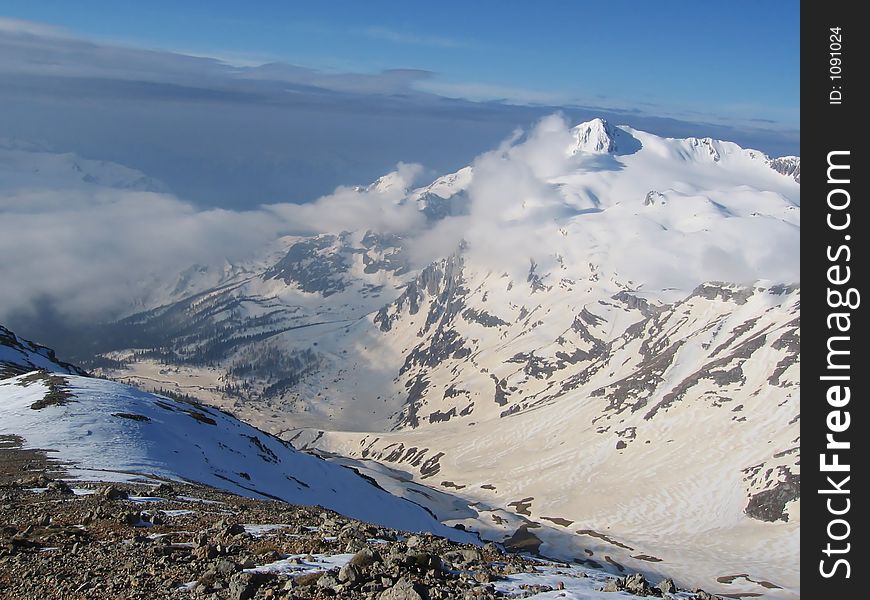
(827, 127)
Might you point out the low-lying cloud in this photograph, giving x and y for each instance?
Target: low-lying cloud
(93, 252)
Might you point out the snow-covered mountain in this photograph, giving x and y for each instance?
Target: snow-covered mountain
(23, 164)
(590, 349)
(108, 431)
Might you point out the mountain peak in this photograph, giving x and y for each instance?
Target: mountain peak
(595, 136)
(787, 165)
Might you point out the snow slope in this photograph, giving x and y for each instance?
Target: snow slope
(112, 432)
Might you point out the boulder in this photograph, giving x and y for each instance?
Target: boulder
(111, 492)
(365, 557)
(350, 574)
(405, 590)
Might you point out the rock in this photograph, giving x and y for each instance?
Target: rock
(352, 531)
(414, 541)
(44, 520)
(34, 481)
(666, 586)
(225, 567)
(206, 552)
(404, 590)
(482, 577)
(59, 487)
(464, 556)
(111, 492)
(398, 558)
(229, 529)
(327, 581)
(370, 588)
(244, 585)
(633, 584)
(636, 584)
(308, 579)
(129, 517)
(365, 557)
(207, 579)
(155, 518)
(350, 574)
(162, 489)
(424, 561)
(492, 548)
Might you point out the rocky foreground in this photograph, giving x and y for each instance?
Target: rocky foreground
(73, 540)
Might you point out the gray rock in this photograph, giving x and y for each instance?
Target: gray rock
(636, 584)
(229, 529)
(365, 557)
(244, 585)
(206, 552)
(492, 548)
(327, 581)
(162, 489)
(667, 586)
(404, 590)
(111, 492)
(225, 567)
(59, 487)
(350, 574)
(464, 556)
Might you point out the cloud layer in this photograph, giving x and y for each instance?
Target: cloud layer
(77, 235)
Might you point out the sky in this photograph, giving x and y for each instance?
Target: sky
(734, 62)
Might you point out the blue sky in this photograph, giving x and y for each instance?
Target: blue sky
(729, 62)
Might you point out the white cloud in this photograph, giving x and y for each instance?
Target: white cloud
(417, 39)
(19, 26)
(93, 251)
